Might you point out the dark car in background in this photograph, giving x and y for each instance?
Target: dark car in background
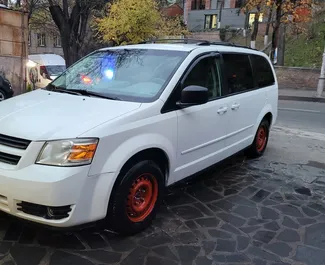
(5, 89)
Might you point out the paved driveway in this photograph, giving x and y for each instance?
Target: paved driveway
(263, 212)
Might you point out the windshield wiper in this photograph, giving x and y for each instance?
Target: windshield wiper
(92, 93)
(79, 92)
(62, 90)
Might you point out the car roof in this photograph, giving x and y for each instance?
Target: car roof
(47, 59)
(204, 46)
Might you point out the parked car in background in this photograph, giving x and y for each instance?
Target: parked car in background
(44, 68)
(5, 88)
(104, 139)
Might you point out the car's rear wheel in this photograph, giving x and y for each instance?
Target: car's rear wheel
(135, 198)
(2, 95)
(258, 147)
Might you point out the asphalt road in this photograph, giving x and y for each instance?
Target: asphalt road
(306, 116)
(267, 211)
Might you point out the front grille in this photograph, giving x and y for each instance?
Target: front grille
(9, 159)
(47, 212)
(14, 142)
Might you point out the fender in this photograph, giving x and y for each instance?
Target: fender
(136, 144)
(267, 108)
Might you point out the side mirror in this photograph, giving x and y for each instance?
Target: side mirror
(193, 95)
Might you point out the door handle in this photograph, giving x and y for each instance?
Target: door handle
(222, 110)
(235, 106)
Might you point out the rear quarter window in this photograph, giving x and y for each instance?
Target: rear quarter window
(262, 71)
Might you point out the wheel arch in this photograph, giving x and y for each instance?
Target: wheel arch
(155, 154)
(267, 113)
(269, 117)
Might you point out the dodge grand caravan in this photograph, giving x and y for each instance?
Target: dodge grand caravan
(103, 140)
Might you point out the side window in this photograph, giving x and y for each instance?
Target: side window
(238, 72)
(262, 70)
(206, 74)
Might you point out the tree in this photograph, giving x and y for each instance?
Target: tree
(40, 18)
(28, 5)
(72, 18)
(283, 12)
(133, 21)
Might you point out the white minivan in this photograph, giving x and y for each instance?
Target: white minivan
(44, 68)
(103, 140)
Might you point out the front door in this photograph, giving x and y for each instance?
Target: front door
(202, 128)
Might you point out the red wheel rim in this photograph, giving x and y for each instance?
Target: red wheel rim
(261, 139)
(142, 197)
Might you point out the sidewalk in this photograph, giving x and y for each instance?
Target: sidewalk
(300, 95)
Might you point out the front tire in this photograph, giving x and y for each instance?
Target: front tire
(135, 198)
(261, 139)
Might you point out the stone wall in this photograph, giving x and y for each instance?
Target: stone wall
(209, 36)
(13, 47)
(297, 77)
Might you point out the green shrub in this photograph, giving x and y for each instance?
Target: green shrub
(29, 87)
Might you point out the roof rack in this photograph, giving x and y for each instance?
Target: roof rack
(195, 41)
(175, 41)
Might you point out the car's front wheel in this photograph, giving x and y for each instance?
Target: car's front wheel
(135, 198)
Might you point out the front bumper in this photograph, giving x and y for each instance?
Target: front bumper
(48, 186)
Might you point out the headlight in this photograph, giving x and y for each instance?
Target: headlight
(67, 153)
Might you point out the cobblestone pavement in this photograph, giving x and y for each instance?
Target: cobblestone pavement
(269, 211)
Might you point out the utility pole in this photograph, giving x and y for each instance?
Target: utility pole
(321, 80)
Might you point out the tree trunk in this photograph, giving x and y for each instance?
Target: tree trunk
(275, 34)
(267, 30)
(70, 48)
(69, 32)
(255, 29)
(281, 45)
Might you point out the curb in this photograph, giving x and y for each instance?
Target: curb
(307, 99)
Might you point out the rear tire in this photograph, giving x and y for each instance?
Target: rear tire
(135, 198)
(2, 95)
(261, 139)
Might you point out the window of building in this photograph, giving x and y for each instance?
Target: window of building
(251, 18)
(206, 74)
(262, 70)
(238, 73)
(210, 22)
(198, 4)
(41, 40)
(57, 41)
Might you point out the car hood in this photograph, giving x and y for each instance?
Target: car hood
(44, 115)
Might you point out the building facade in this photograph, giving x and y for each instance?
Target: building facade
(13, 47)
(203, 15)
(44, 42)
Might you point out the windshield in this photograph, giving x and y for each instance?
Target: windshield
(129, 74)
(55, 69)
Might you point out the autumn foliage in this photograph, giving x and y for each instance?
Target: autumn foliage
(280, 12)
(133, 21)
(288, 10)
